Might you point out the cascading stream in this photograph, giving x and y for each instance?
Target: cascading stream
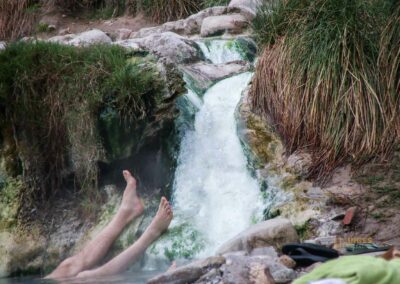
(214, 196)
(213, 189)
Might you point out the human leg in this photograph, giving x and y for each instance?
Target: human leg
(130, 208)
(122, 261)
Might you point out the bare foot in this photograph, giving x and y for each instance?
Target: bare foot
(131, 205)
(162, 219)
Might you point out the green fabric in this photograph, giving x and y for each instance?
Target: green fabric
(356, 269)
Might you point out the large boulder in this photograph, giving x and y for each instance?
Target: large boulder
(217, 25)
(190, 272)
(90, 37)
(274, 232)
(188, 26)
(247, 7)
(168, 45)
(86, 38)
(202, 75)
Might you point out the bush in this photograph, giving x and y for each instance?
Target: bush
(317, 80)
(51, 96)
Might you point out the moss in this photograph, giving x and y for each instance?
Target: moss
(182, 241)
(245, 47)
(10, 189)
(303, 231)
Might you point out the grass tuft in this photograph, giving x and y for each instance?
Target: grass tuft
(318, 83)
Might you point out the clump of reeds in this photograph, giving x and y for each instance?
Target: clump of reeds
(318, 82)
(51, 97)
(16, 18)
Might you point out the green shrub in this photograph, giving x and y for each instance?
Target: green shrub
(318, 82)
(51, 95)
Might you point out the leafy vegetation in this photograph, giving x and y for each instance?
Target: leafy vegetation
(319, 82)
(51, 97)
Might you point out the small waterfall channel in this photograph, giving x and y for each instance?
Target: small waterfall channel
(214, 195)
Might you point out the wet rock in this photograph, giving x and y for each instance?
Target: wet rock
(190, 272)
(188, 26)
(90, 37)
(274, 232)
(247, 7)
(211, 277)
(168, 45)
(203, 75)
(217, 25)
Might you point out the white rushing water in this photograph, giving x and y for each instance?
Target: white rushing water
(213, 189)
(219, 50)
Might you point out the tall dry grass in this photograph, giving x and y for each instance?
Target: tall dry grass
(16, 18)
(319, 84)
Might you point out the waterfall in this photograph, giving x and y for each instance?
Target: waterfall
(219, 50)
(213, 189)
(214, 195)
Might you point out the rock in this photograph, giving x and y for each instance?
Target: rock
(51, 28)
(190, 272)
(247, 7)
(123, 34)
(169, 45)
(64, 31)
(217, 25)
(287, 261)
(299, 163)
(19, 253)
(213, 276)
(2, 45)
(62, 39)
(90, 37)
(242, 269)
(188, 26)
(260, 274)
(274, 232)
(203, 75)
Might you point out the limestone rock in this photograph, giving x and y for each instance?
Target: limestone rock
(247, 7)
(255, 269)
(203, 75)
(168, 45)
(90, 37)
(216, 25)
(274, 232)
(94, 36)
(188, 26)
(190, 272)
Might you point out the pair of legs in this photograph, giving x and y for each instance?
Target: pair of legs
(82, 264)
